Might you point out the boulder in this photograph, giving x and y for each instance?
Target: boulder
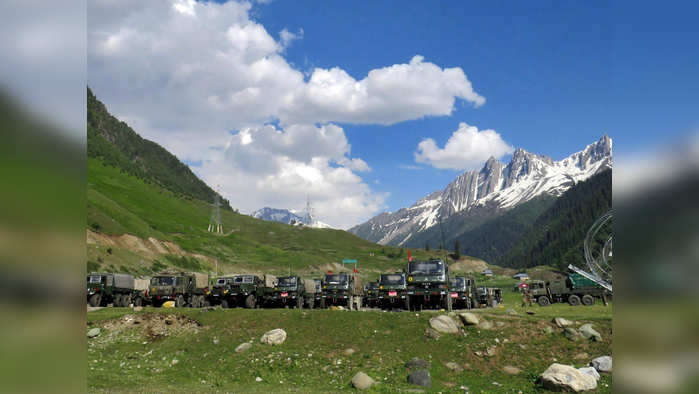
(590, 371)
(452, 366)
(485, 325)
(491, 351)
(510, 370)
(469, 318)
(274, 337)
(444, 324)
(559, 377)
(93, 332)
(417, 363)
(563, 323)
(421, 377)
(549, 329)
(362, 381)
(243, 347)
(602, 364)
(572, 334)
(432, 333)
(588, 332)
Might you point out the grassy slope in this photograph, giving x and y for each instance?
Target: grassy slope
(119, 203)
(383, 343)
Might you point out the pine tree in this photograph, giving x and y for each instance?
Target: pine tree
(457, 251)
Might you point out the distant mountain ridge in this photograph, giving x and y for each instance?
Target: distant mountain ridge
(480, 195)
(288, 217)
(115, 143)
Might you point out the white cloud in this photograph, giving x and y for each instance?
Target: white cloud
(266, 166)
(184, 73)
(467, 148)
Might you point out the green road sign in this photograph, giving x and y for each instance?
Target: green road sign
(349, 261)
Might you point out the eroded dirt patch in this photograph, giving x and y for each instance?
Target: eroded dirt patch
(144, 327)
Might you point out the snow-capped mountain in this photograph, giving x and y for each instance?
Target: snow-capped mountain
(495, 188)
(288, 217)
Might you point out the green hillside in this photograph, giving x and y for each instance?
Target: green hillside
(144, 214)
(557, 235)
(116, 144)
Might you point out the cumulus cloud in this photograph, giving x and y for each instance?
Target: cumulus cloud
(266, 166)
(184, 73)
(467, 148)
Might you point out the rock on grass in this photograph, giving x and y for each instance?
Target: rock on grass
(602, 364)
(559, 377)
(93, 332)
(362, 381)
(421, 377)
(444, 324)
(274, 337)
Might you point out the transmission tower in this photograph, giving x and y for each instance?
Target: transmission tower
(308, 217)
(215, 220)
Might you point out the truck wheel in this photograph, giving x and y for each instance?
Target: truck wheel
(588, 300)
(250, 301)
(544, 301)
(224, 304)
(574, 300)
(450, 304)
(299, 303)
(406, 304)
(138, 301)
(95, 299)
(126, 300)
(118, 300)
(311, 303)
(322, 303)
(179, 301)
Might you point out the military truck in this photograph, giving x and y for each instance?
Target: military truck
(342, 290)
(312, 292)
(289, 291)
(371, 294)
(489, 296)
(118, 289)
(428, 284)
(219, 290)
(184, 288)
(393, 291)
(249, 291)
(575, 289)
(318, 295)
(463, 292)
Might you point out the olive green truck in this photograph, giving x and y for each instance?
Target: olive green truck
(120, 290)
(575, 290)
(184, 288)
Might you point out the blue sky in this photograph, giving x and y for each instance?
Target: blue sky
(555, 77)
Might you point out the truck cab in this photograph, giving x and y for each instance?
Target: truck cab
(393, 291)
(460, 289)
(220, 290)
(371, 294)
(341, 290)
(289, 290)
(244, 290)
(185, 289)
(428, 284)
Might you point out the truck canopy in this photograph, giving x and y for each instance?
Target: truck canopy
(140, 284)
(270, 280)
(310, 285)
(432, 267)
(200, 280)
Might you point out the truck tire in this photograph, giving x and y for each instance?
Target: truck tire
(544, 301)
(95, 299)
(406, 303)
(118, 300)
(224, 304)
(179, 301)
(574, 300)
(322, 303)
(250, 301)
(138, 301)
(299, 303)
(588, 300)
(126, 300)
(311, 303)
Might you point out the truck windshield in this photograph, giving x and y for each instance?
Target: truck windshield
(336, 279)
(163, 281)
(457, 282)
(223, 281)
(94, 279)
(242, 279)
(426, 267)
(287, 281)
(392, 279)
(373, 285)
